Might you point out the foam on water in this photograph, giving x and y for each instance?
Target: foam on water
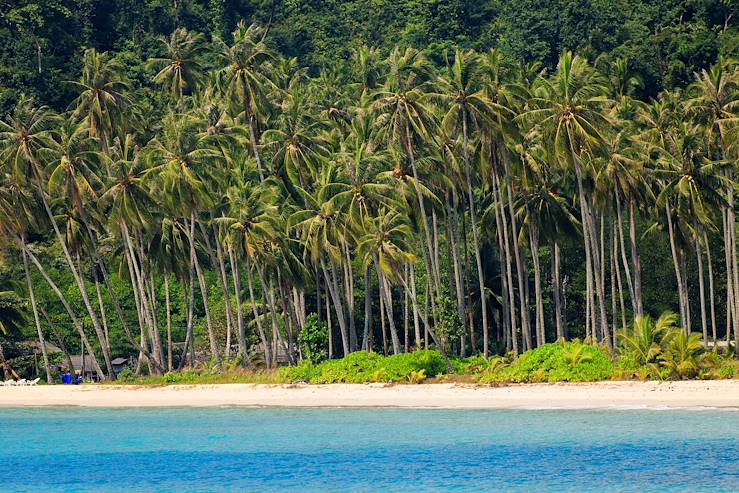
(227, 449)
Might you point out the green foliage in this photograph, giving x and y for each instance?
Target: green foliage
(363, 367)
(448, 326)
(126, 376)
(559, 362)
(313, 340)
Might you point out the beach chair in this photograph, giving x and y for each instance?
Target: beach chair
(22, 382)
(33, 382)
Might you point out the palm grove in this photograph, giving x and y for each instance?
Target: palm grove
(385, 196)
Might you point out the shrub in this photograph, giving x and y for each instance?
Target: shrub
(313, 340)
(363, 367)
(558, 362)
(126, 375)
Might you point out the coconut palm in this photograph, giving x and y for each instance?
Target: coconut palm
(182, 66)
(242, 78)
(103, 97)
(403, 113)
(184, 164)
(568, 107)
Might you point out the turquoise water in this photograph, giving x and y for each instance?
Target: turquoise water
(232, 449)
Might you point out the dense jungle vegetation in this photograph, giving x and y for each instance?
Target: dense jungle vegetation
(227, 183)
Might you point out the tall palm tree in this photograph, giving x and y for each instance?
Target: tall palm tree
(23, 138)
(569, 108)
(467, 107)
(182, 67)
(402, 111)
(243, 78)
(103, 97)
(184, 162)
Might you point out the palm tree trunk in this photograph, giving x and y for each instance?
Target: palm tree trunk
(367, 308)
(620, 287)
(189, 336)
(137, 279)
(456, 267)
(257, 318)
(114, 298)
(203, 293)
(32, 295)
(241, 329)
(220, 268)
(475, 242)
(525, 325)
(620, 230)
(333, 289)
(75, 273)
(349, 296)
(68, 308)
(431, 268)
(534, 243)
(710, 287)
(701, 290)
(588, 224)
(405, 312)
(557, 292)
(508, 262)
(388, 302)
(101, 305)
(731, 222)
(635, 261)
(168, 309)
(255, 148)
(676, 263)
(730, 318)
(414, 304)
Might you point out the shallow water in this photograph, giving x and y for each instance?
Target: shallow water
(231, 449)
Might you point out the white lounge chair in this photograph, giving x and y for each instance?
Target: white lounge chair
(22, 382)
(34, 382)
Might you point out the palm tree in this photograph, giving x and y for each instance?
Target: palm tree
(568, 107)
(250, 223)
(102, 98)
(242, 77)
(182, 67)
(714, 100)
(644, 342)
(183, 162)
(467, 105)
(402, 111)
(23, 139)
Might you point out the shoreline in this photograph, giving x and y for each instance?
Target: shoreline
(694, 394)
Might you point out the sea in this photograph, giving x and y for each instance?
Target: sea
(368, 450)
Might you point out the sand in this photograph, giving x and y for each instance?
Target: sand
(689, 394)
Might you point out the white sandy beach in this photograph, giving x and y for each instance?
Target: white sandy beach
(689, 394)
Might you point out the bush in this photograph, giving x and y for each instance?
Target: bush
(558, 362)
(313, 340)
(126, 375)
(363, 367)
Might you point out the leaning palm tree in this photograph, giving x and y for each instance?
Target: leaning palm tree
(22, 140)
(182, 68)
